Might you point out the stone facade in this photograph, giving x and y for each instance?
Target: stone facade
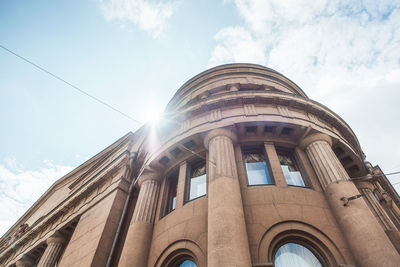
(185, 190)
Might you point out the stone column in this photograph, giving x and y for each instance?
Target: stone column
(227, 237)
(138, 239)
(366, 238)
(52, 254)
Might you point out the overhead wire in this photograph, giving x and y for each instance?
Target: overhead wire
(86, 93)
(121, 112)
(72, 85)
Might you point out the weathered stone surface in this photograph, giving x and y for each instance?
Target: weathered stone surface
(214, 117)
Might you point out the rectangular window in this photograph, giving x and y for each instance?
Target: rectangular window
(257, 168)
(170, 193)
(197, 180)
(290, 167)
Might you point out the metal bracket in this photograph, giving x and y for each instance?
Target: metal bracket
(346, 200)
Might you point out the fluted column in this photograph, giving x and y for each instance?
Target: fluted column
(51, 255)
(138, 239)
(366, 238)
(227, 237)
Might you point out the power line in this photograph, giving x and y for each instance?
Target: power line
(84, 92)
(71, 85)
(392, 173)
(375, 175)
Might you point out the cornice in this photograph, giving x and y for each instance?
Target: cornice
(78, 173)
(227, 70)
(227, 100)
(71, 206)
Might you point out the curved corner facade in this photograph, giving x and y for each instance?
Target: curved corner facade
(244, 170)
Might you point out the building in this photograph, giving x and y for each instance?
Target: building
(243, 170)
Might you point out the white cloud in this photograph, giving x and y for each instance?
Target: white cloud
(344, 54)
(20, 188)
(149, 16)
(237, 44)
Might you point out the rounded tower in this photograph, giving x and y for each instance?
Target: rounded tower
(249, 170)
(243, 170)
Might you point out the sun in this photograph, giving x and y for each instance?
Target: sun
(154, 114)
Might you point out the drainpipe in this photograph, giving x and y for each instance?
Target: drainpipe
(125, 209)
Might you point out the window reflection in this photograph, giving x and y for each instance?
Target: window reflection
(290, 168)
(198, 181)
(256, 168)
(295, 255)
(188, 263)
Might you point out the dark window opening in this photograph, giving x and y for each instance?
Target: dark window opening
(347, 160)
(251, 129)
(338, 151)
(269, 129)
(287, 131)
(354, 168)
(164, 160)
(170, 193)
(189, 144)
(176, 152)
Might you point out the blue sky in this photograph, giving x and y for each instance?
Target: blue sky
(134, 54)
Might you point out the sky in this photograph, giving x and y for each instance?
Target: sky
(135, 54)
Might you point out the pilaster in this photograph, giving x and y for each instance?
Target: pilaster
(138, 239)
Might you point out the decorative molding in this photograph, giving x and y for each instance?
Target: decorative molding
(215, 115)
(249, 109)
(284, 111)
(330, 119)
(71, 207)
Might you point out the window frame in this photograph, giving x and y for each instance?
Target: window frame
(298, 241)
(249, 148)
(188, 178)
(166, 209)
(179, 260)
(306, 180)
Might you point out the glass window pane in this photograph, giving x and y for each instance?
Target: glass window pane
(257, 173)
(290, 168)
(173, 203)
(188, 263)
(198, 187)
(295, 255)
(256, 169)
(170, 193)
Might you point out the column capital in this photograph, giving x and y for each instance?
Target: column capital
(313, 138)
(219, 132)
(148, 175)
(57, 238)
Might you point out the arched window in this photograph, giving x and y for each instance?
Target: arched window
(184, 263)
(296, 255)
